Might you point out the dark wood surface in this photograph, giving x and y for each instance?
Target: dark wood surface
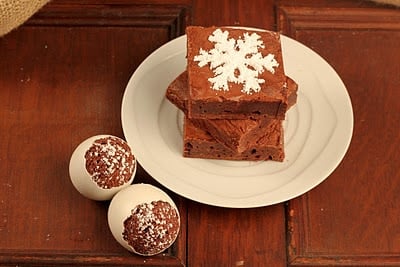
(62, 77)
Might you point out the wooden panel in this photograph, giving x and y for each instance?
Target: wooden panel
(352, 218)
(62, 77)
(259, 14)
(172, 17)
(236, 237)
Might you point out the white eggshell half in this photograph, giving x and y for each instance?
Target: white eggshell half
(83, 181)
(125, 201)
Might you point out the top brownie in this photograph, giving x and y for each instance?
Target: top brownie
(235, 73)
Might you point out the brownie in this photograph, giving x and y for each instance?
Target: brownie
(200, 144)
(238, 135)
(235, 73)
(235, 134)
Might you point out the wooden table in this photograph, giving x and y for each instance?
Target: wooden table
(62, 77)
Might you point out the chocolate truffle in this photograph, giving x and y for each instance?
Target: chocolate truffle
(143, 219)
(101, 166)
(151, 227)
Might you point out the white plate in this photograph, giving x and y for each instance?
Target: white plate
(318, 131)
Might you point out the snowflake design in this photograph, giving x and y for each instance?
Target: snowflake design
(237, 61)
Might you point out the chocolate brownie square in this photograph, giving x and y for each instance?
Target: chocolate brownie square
(235, 74)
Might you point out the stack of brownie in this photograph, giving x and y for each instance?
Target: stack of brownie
(234, 94)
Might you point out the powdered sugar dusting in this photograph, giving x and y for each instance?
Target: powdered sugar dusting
(110, 162)
(152, 227)
(237, 61)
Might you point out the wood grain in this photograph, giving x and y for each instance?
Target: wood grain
(259, 14)
(351, 219)
(236, 237)
(62, 78)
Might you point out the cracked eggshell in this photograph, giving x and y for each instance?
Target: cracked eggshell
(83, 181)
(125, 201)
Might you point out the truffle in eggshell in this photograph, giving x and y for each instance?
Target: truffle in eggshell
(143, 219)
(101, 166)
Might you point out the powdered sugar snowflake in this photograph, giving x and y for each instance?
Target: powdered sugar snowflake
(238, 61)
